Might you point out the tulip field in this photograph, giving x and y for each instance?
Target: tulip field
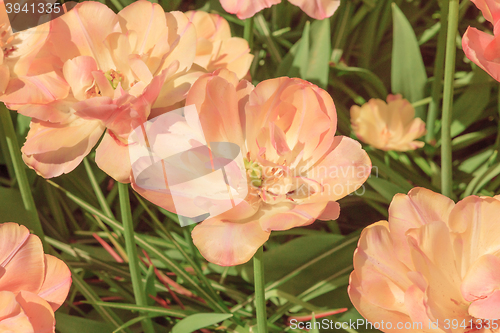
(249, 166)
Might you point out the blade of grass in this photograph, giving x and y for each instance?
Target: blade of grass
(438, 77)
(97, 190)
(449, 72)
(131, 249)
(22, 179)
(93, 298)
(144, 243)
(260, 298)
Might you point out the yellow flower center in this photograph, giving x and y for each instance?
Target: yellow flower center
(114, 77)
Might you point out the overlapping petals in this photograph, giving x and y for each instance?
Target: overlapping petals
(318, 9)
(434, 261)
(296, 167)
(388, 126)
(32, 284)
(480, 47)
(106, 74)
(216, 48)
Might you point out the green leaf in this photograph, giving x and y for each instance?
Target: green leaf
(313, 329)
(471, 104)
(199, 320)
(385, 188)
(301, 59)
(408, 76)
(318, 69)
(150, 285)
(66, 324)
(12, 208)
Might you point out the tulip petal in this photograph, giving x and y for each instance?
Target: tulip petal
(24, 267)
(475, 44)
(113, 158)
(477, 224)
(56, 283)
(246, 8)
(82, 31)
(39, 312)
(487, 308)
(226, 243)
(78, 74)
(318, 9)
(294, 216)
(53, 149)
(489, 8)
(342, 171)
(419, 207)
(40, 89)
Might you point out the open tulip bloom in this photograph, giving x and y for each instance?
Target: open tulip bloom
(214, 132)
(296, 168)
(32, 284)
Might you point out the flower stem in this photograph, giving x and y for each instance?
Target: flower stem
(260, 299)
(449, 73)
(438, 77)
(135, 273)
(22, 179)
(248, 32)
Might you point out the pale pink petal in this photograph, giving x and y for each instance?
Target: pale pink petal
(12, 316)
(342, 171)
(24, 270)
(82, 31)
(331, 212)
(433, 256)
(295, 216)
(41, 89)
(216, 99)
(182, 41)
(489, 8)
(53, 149)
(12, 237)
(246, 8)
(228, 243)
(39, 312)
(113, 158)
(4, 77)
(8, 305)
(55, 112)
(147, 20)
(476, 222)
(56, 283)
(475, 44)
(318, 9)
(487, 308)
(419, 207)
(78, 74)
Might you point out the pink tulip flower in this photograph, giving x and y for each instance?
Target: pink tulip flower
(483, 48)
(296, 167)
(32, 284)
(433, 267)
(18, 50)
(388, 126)
(216, 48)
(102, 72)
(318, 9)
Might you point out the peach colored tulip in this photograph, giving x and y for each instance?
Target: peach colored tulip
(318, 9)
(388, 126)
(434, 261)
(483, 48)
(32, 284)
(18, 50)
(102, 73)
(216, 48)
(296, 167)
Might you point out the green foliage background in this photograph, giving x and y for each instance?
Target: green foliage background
(368, 49)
